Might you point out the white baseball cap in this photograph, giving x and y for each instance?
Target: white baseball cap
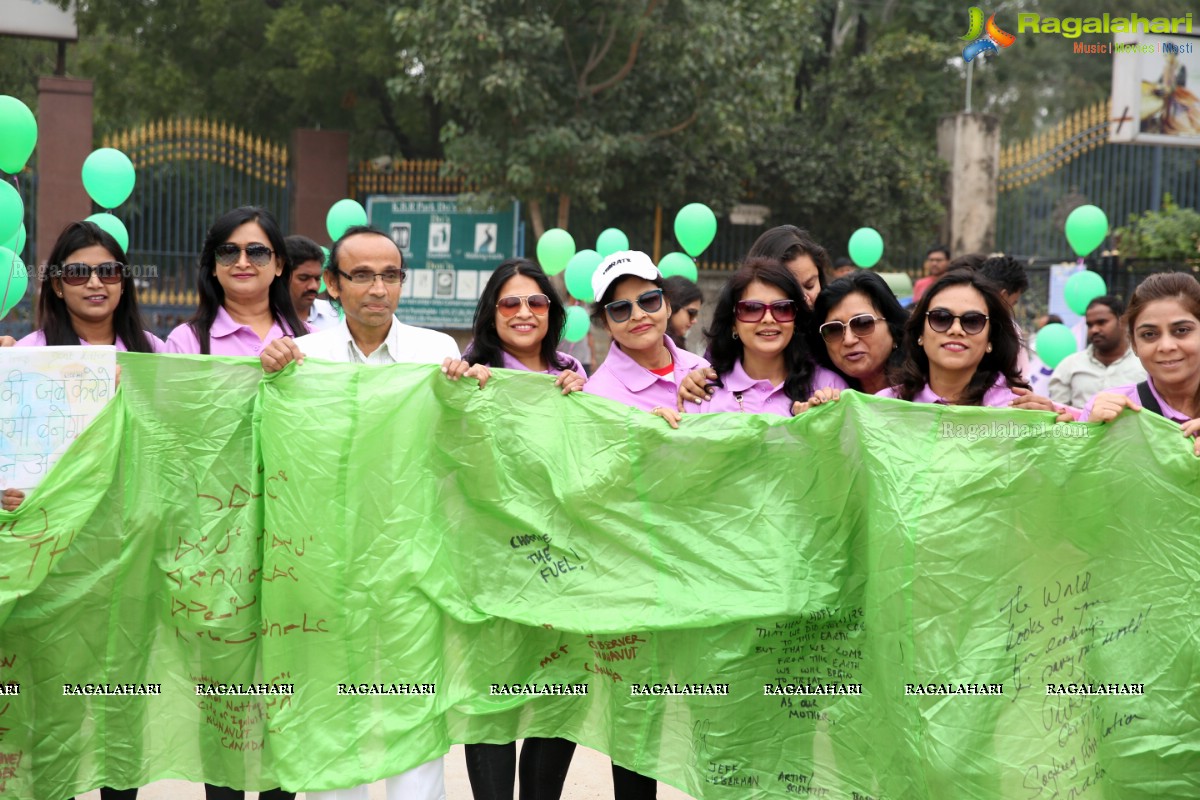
(619, 265)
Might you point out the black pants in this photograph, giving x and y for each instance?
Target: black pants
(116, 794)
(544, 762)
(628, 785)
(225, 793)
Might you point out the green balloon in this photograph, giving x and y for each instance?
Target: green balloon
(324, 264)
(866, 247)
(695, 228)
(12, 212)
(578, 324)
(1081, 289)
(580, 269)
(17, 242)
(554, 250)
(344, 214)
(114, 227)
(611, 240)
(18, 134)
(14, 280)
(108, 177)
(1054, 343)
(1087, 227)
(678, 264)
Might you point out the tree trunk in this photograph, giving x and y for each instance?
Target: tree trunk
(564, 210)
(535, 217)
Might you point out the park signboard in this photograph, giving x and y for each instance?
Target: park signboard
(450, 250)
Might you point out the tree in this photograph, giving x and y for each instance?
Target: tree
(267, 66)
(584, 101)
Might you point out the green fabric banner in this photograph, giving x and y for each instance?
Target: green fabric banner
(876, 599)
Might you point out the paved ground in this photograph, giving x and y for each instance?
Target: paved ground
(590, 778)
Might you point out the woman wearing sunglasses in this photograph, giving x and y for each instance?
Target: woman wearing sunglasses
(643, 367)
(245, 302)
(762, 365)
(960, 346)
(860, 325)
(88, 297)
(518, 322)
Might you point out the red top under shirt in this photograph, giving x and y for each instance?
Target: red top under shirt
(663, 372)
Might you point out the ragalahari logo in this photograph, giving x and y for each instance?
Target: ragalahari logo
(992, 40)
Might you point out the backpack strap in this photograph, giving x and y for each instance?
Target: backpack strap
(1147, 398)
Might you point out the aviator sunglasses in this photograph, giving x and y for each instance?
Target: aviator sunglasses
(755, 310)
(259, 255)
(861, 325)
(79, 274)
(509, 305)
(622, 310)
(940, 321)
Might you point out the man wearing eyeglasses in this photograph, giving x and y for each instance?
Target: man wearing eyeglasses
(365, 275)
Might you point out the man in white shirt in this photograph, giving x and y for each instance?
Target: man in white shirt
(365, 275)
(307, 263)
(1108, 360)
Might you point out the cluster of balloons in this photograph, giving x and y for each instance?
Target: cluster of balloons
(695, 229)
(109, 178)
(1086, 229)
(18, 136)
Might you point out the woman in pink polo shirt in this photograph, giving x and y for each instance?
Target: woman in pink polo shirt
(759, 351)
(643, 367)
(518, 322)
(245, 303)
(960, 347)
(88, 296)
(1164, 326)
(243, 285)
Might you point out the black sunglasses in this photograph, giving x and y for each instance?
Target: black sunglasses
(259, 255)
(940, 321)
(861, 325)
(622, 310)
(79, 274)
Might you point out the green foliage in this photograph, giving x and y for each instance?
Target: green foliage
(859, 152)
(636, 100)
(1172, 234)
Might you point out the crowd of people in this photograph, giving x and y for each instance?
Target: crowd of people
(789, 331)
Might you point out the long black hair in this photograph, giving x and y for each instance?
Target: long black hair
(879, 294)
(212, 295)
(53, 316)
(487, 348)
(727, 351)
(913, 373)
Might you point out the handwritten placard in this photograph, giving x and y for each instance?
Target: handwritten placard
(48, 395)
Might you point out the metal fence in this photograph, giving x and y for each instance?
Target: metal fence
(1043, 179)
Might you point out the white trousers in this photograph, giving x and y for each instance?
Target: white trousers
(426, 782)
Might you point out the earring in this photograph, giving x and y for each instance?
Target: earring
(735, 334)
(895, 347)
(920, 341)
(989, 347)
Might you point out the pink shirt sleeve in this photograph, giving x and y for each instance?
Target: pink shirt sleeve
(182, 340)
